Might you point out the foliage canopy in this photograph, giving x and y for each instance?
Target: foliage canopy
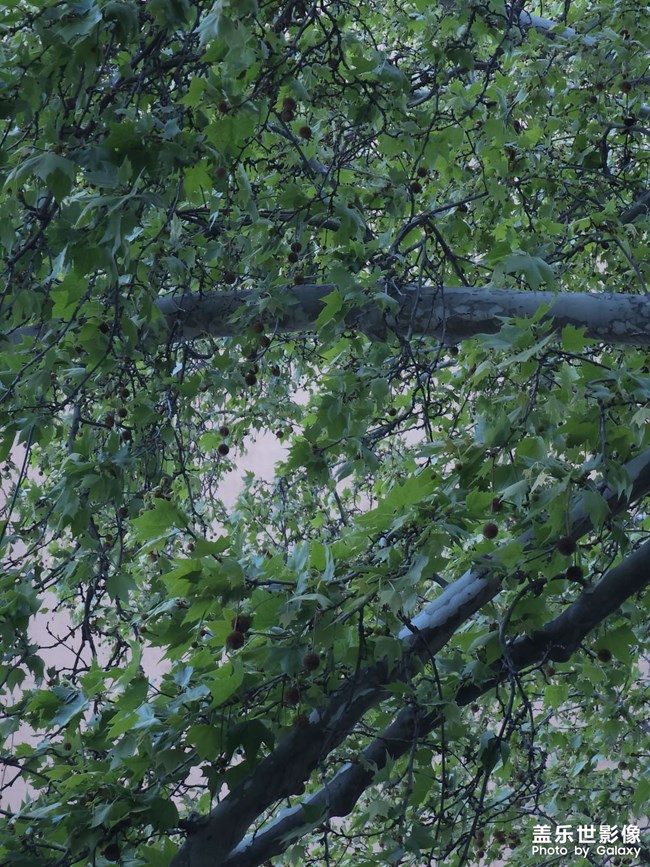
(171, 147)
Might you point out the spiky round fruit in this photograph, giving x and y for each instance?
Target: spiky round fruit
(250, 379)
(496, 505)
(275, 370)
(224, 430)
(296, 247)
(112, 852)
(292, 258)
(566, 546)
(422, 172)
(264, 341)
(604, 654)
(289, 102)
(224, 106)
(292, 695)
(305, 132)
(109, 419)
(297, 279)
(229, 277)
(241, 623)
(392, 411)
(311, 661)
(220, 173)
(223, 449)
(574, 573)
(287, 115)
(235, 640)
(626, 86)
(123, 512)
(490, 530)
(416, 187)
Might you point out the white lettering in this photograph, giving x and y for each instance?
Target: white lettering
(618, 850)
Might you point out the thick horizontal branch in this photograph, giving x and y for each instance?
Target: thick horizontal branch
(451, 314)
(557, 640)
(292, 762)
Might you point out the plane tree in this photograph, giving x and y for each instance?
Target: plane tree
(408, 241)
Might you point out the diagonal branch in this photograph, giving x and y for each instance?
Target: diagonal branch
(558, 640)
(284, 771)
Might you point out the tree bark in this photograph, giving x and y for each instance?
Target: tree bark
(452, 314)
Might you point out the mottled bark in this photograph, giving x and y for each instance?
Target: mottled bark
(451, 314)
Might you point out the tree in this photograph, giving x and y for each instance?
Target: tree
(408, 239)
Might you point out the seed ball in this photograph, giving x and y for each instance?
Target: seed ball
(490, 530)
(241, 623)
(292, 695)
(574, 573)
(223, 449)
(305, 132)
(235, 640)
(311, 661)
(566, 546)
(224, 430)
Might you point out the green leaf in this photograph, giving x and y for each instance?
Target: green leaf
(535, 269)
